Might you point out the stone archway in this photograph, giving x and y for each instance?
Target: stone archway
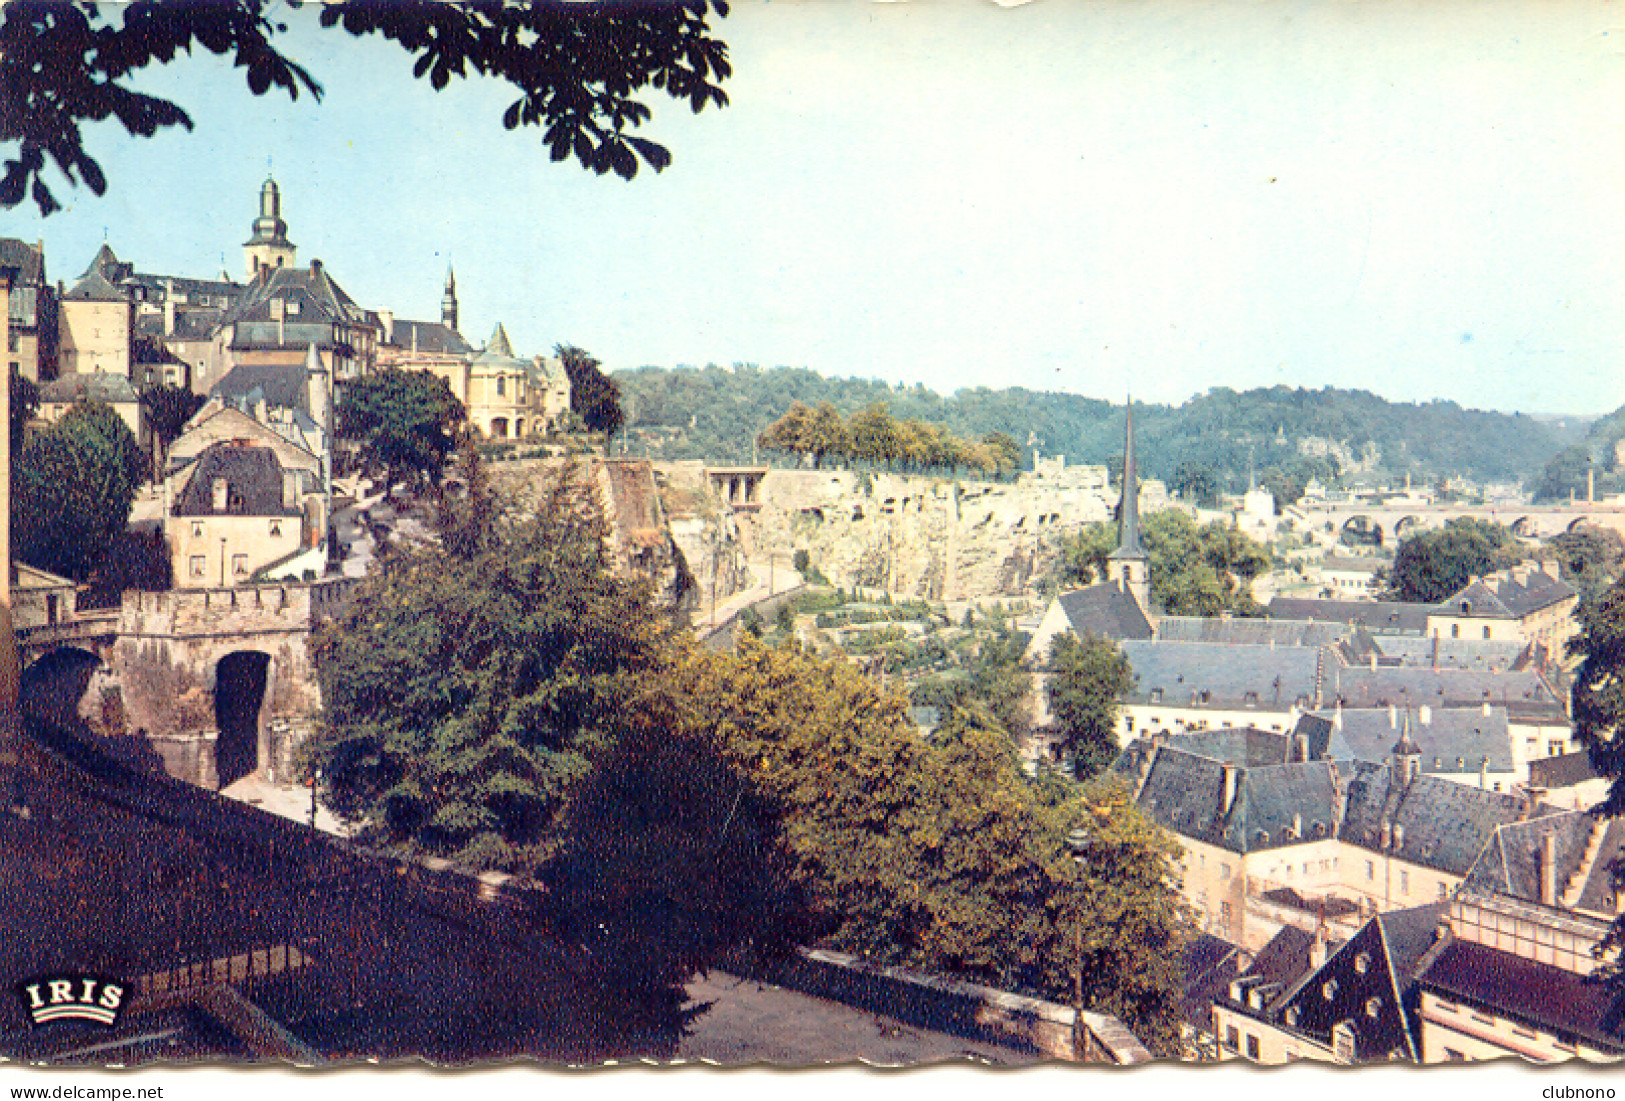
(241, 682)
(1526, 526)
(1362, 530)
(53, 685)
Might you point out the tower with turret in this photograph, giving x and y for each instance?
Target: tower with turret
(448, 301)
(269, 247)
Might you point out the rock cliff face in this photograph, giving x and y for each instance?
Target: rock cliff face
(937, 538)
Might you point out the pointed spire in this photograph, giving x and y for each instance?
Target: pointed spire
(448, 301)
(1405, 747)
(1128, 530)
(499, 342)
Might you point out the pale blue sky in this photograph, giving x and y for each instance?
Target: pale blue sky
(1426, 199)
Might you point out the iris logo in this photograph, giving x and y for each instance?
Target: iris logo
(72, 997)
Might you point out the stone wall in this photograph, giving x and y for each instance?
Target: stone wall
(931, 537)
(165, 658)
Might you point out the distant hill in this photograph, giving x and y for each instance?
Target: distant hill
(715, 413)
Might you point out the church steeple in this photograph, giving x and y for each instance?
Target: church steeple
(269, 247)
(1129, 564)
(448, 301)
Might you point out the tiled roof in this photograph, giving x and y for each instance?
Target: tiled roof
(319, 300)
(1521, 692)
(1108, 610)
(1510, 863)
(1448, 653)
(1185, 793)
(1537, 994)
(1377, 616)
(1563, 771)
(1251, 632)
(1510, 594)
(29, 261)
(1440, 823)
(94, 288)
(1204, 674)
(1246, 746)
(252, 473)
(282, 385)
(1210, 964)
(90, 386)
(1453, 740)
(428, 336)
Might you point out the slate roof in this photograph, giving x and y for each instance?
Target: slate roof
(159, 287)
(1549, 998)
(1179, 673)
(1319, 732)
(253, 473)
(1450, 653)
(1510, 863)
(1246, 746)
(1454, 740)
(431, 337)
(320, 301)
(1185, 793)
(1108, 610)
(1376, 616)
(89, 386)
(1250, 632)
(1564, 771)
(282, 385)
(1445, 825)
(1510, 594)
(1366, 982)
(29, 261)
(1282, 962)
(93, 287)
(498, 353)
(1522, 692)
(1210, 965)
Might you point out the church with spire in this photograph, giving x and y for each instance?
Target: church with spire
(1118, 607)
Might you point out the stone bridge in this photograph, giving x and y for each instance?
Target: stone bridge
(1390, 522)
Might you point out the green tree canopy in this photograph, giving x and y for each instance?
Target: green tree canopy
(1565, 474)
(168, 409)
(24, 407)
(1204, 570)
(1088, 677)
(578, 70)
(594, 397)
(1431, 565)
(463, 692)
(406, 422)
(1589, 557)
(71, 489)
(942, 854)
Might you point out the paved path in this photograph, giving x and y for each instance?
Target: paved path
(755, 1022)
(782, 577)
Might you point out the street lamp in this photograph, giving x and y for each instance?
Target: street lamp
(1079, 843)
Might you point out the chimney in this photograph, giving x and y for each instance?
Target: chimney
(1385, 839)
(1486, 707)
(1297, 827)
(290, 489)
(1337, 720)
(1548, 870)
(1300, 747)
(1231, 782)
(1425, 713)
(1399, 837)
(1373, 661)
(219, 490)
(1393, 718)
(169, 307)
(1317, 950)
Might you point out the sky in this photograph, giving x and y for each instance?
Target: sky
(1422, 199)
